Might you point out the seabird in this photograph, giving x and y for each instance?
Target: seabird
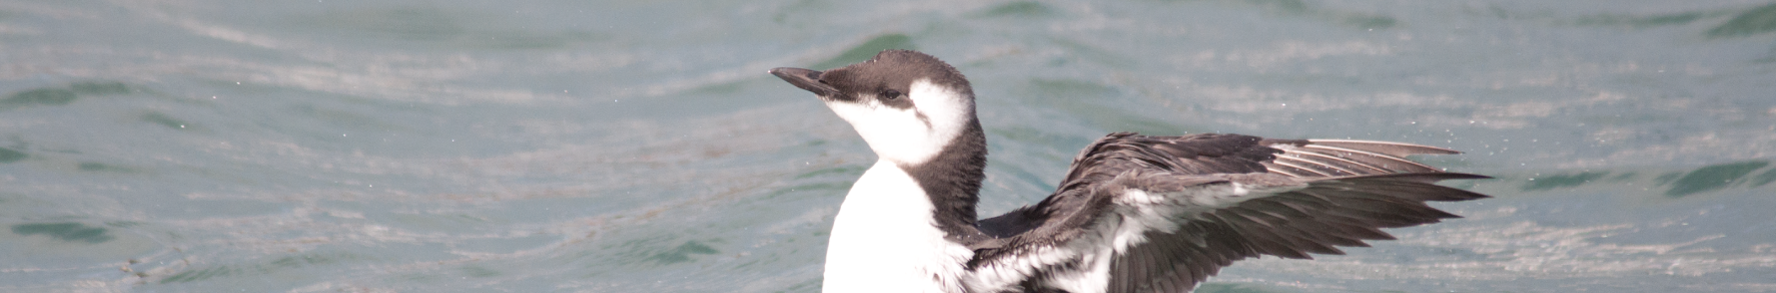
(1135, 213)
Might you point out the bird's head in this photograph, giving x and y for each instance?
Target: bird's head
(907, 105)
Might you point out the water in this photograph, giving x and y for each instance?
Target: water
(415, 146)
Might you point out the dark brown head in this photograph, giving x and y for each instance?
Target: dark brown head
(905, 104)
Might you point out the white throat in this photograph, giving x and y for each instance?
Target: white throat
(885, 240)
(913, 135)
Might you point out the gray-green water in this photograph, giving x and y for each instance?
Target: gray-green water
(421, 146)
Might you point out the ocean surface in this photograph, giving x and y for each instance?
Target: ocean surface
(639, 146)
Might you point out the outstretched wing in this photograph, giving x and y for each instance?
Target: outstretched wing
(1161, 214)
(1290, 222)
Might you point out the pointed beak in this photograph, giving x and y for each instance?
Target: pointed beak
(806, 79)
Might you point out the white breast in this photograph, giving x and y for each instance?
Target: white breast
(884, 240)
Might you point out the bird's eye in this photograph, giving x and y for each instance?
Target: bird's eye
(890, 94)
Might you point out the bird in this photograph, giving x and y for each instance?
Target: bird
(1134, 213)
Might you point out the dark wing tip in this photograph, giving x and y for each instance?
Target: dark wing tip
(1420, 186)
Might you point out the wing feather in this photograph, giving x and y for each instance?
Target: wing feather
(1386, 147)
(1302, 166)
(1221, 198)
(1340, 163)
(1309, 227)
(1376, 159)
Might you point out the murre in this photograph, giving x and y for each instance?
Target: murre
(1135, 213)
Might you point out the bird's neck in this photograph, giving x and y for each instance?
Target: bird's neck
(951, 180)
(908, 223)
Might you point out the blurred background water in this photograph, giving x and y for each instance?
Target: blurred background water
(588, 146)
